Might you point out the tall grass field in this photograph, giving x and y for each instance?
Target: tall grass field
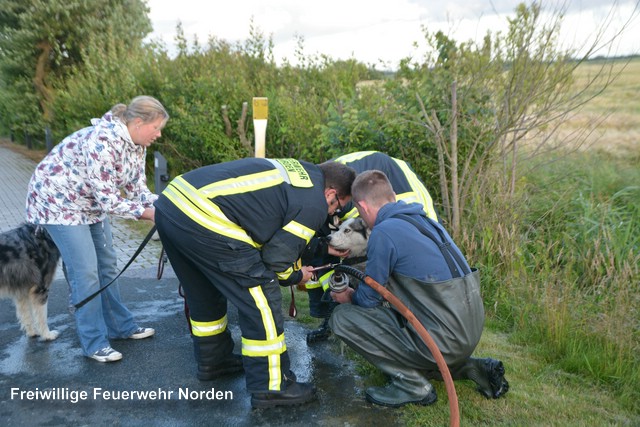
(561, 281)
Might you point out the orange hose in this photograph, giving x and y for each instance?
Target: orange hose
(431, 345)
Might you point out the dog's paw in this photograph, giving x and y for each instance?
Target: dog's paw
(49, 336)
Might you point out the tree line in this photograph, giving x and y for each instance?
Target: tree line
(454, 113)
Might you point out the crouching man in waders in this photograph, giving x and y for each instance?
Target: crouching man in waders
(415, 258)
(234, 231)
(408, 188)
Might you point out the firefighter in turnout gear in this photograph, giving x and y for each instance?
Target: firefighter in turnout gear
(233, 232)
(408, 188)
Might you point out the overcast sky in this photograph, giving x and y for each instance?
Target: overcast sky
(377, 30)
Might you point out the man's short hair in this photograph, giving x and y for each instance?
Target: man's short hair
(372, 186)
(338, 176)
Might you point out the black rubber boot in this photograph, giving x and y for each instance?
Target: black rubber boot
(320, 334)
(407, 386)
(394, 397)
(294, 393)
(211, 365)
(488, 374)
(494, 375)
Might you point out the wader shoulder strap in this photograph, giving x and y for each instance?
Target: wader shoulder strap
(443, 245)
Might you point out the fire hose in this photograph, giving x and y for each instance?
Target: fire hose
(339, 283)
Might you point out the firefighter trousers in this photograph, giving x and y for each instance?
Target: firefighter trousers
(213, 270)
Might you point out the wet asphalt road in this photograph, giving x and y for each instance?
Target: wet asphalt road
(163, 364)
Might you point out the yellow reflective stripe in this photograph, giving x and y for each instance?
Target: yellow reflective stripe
(243, 184)
(272, 346)
(204, 212)
(324, 280)
(351, 214)
(284, 275)
(205, 329)
(312, 285)
(263, 348)
(354, 156)
(265, 311)
(299, 230)
(410, 197)
(422, 194)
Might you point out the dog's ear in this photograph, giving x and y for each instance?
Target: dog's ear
(361, 225)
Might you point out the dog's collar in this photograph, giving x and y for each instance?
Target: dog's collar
(354, 260)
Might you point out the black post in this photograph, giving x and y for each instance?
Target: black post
(27, 140)
(161, 174)
(160, 180)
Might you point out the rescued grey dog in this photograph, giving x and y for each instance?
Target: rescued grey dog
(353, 234)
(28, 261)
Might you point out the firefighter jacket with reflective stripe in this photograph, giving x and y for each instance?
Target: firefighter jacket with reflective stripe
(274, 205)
(403, 179)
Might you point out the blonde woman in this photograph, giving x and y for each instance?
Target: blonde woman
(94, 173)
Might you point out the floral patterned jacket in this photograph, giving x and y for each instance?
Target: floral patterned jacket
(94, 172)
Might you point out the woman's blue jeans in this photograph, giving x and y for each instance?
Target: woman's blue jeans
(90, 262)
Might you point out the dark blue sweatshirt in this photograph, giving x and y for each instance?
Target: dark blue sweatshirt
(397, 246)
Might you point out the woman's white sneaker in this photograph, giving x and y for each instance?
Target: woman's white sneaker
(107, 354)
(140, 333)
